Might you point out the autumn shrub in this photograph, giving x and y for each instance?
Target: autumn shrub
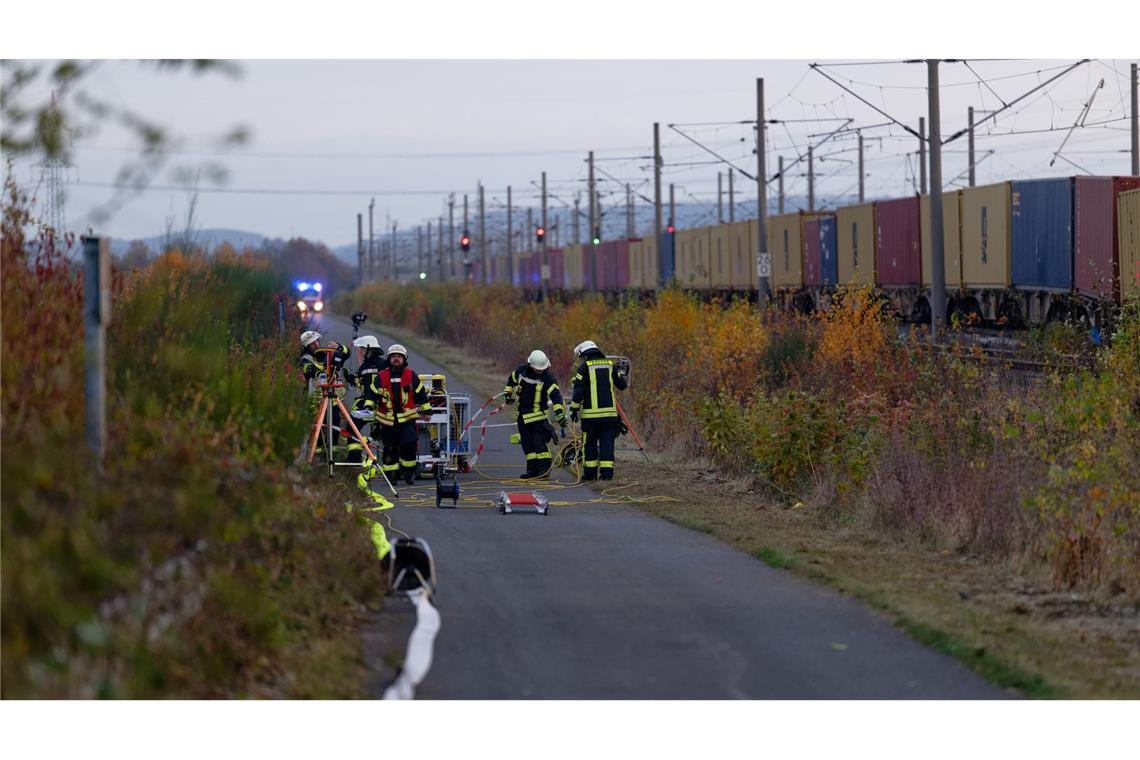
(195, 565)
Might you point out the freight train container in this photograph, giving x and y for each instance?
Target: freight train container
(636, 263)
(621, 265)
(1096, 243)
(692, 258)
(667, 258)
(828, 252)
(951, 241)
(985, 250)
(1128, 237)
(649, 262)
(855, 227)
(1041, 247)
(743, 237)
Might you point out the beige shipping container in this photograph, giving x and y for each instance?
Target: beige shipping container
(855, 234)
(572, 261)
(635, 264)
(692, 258)
(1128, 230)
(720, 256)
(649, 262)
(785, 244)
(743, 243)
(951, 237)
(985, 236)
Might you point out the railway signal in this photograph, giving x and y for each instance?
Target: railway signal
(465, 242)
(539, 233)
(597, 235)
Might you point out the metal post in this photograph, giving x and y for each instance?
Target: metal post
(577, 214)
(719, 201)
(731, 199)
(970, 142)
(442, 247)
(763, 258)
(657, 201)
(483, 238)
(628, 211)
(427, 261)
(862, 173)
(1135, 125)
(780, 183)
(96, 317)
(593, 225)
(811, 180)
(938, 246)
(922, 155)
(672, 207)
(419, 252)
(392, 266)
(371, 246)
(545, 270)
(510, 242)
(451, 237)
(359, 249)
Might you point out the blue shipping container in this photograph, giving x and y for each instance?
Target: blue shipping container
(667, 256)
(828, 251)
(1041, 234)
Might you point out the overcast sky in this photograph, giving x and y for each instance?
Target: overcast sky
(329, 135)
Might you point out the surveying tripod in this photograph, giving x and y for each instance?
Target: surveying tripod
(324, 420)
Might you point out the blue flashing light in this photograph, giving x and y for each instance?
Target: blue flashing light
(317, 287)
(302, 286)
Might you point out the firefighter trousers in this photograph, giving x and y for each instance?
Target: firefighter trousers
(399, 458)
(533, 436)
(598, 448)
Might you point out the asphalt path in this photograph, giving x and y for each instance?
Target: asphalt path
(602, 601)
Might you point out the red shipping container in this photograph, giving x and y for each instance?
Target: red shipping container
(556, 269)
(589, 253)
(812, 274)
(621, 265)
(898, 243)
(1096, 244)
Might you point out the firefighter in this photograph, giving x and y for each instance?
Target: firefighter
(313, 367)
(594, 400)
(372, 361)
(400, 398)
(534, 385)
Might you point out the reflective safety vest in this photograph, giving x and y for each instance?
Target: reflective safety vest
(534, 391)
(407, 393)
(594, 394)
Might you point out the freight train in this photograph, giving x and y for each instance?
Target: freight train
(1016, 252)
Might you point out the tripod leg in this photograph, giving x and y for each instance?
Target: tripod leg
(364, 442)
(317, 424)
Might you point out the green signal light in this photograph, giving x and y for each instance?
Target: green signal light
(423, 275)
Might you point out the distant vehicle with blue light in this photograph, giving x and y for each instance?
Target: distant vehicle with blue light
(310, 300)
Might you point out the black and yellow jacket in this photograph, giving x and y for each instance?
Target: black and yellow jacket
(593, 393)
(313, 365)
(534, 390)
(363, 379)
(400, 396)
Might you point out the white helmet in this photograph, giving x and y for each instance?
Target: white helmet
(309, 336)
(538, 360)
(584, 346)
(396, 348)
(366, 341)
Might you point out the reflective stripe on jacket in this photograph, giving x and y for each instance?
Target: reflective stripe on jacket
(399, 400)
(535, 391)
(593, 391)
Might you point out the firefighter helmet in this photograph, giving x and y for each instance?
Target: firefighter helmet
(396, 348)
(538, 360)
(584, 346)
(366, 341)
(309, 336)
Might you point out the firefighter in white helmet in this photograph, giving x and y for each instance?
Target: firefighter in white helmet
(535, 388)
(594, 399)
(315, 364)
(400, 399)
(372, 361)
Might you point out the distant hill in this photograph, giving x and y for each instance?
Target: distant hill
(208, 239)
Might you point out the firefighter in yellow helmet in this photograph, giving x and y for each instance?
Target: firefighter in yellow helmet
(315, 365)
(594, 399)
(535, 388)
